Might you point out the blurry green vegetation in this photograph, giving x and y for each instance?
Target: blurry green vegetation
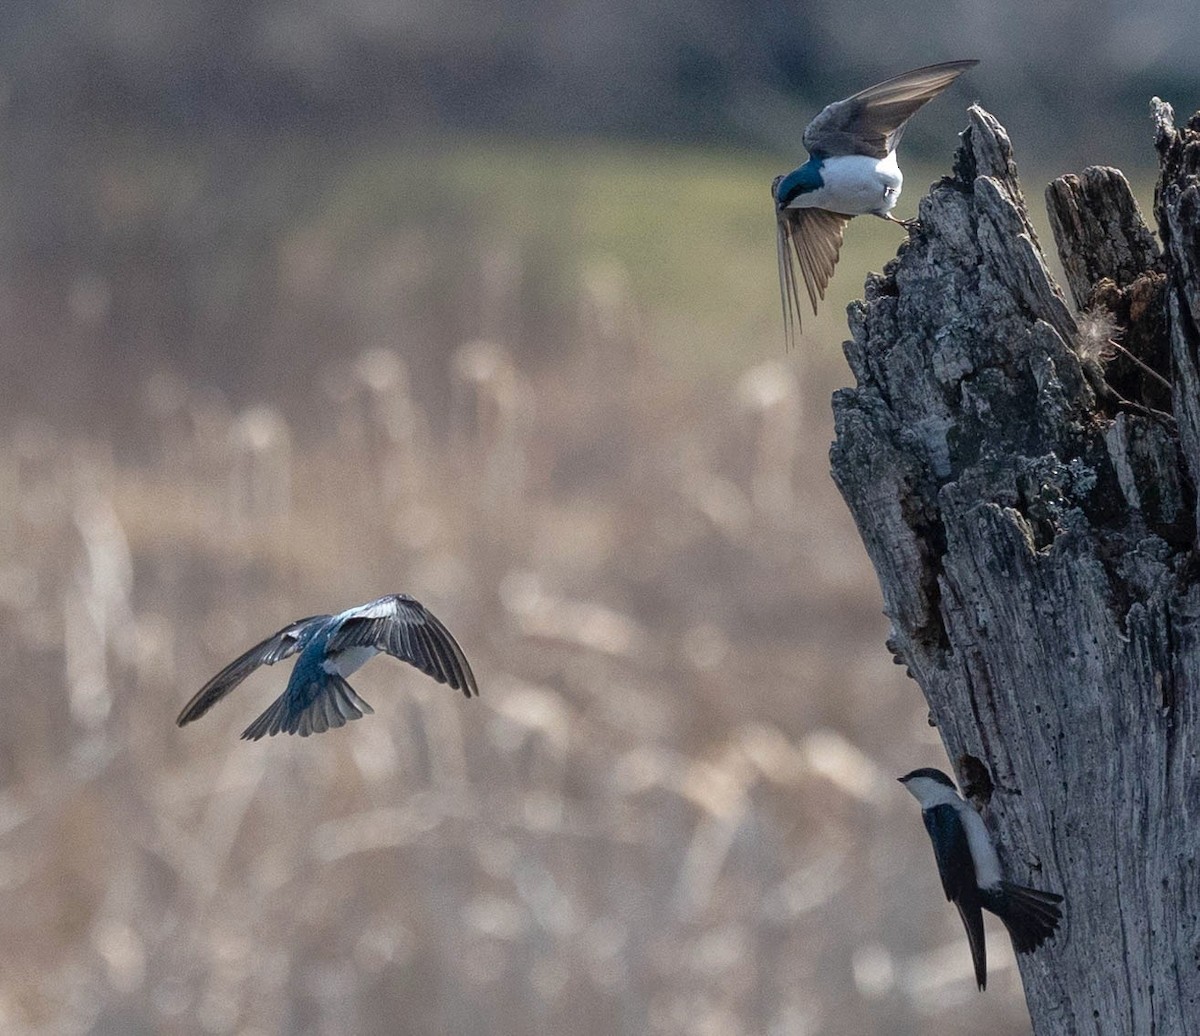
(692, 229)
(215, 256)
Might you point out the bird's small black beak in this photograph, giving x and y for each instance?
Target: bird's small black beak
(901, 779)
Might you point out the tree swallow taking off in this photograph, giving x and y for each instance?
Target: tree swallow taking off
(851, 171)
(332, 647)
(970, 870)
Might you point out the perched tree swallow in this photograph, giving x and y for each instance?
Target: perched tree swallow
(851, 171)
(970, 870)
(331, 647)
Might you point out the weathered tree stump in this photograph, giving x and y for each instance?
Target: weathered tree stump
(1026, 493)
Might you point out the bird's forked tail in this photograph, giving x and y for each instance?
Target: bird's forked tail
(1030, 915)
(314, 708)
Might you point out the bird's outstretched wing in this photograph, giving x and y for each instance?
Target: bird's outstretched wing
(276, 647)
(872, 121)
(812, 239)
(406, 629)
(957, 869)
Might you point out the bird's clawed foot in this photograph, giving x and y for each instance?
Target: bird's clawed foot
(907, 224)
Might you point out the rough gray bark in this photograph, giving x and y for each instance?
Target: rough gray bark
(1030, 512)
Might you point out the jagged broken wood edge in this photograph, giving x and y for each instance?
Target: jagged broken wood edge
(1030, 555)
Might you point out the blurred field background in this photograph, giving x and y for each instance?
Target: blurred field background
(306, 303)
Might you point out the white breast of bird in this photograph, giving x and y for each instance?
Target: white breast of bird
(346, 662)
(855, 185)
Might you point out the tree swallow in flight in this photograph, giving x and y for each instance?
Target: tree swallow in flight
(851, 171)
(331, 647)
(970, 870)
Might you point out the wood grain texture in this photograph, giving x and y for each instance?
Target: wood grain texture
(1099, 231)
(1035, 545)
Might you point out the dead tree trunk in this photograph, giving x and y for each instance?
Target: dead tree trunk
(1027, 494)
